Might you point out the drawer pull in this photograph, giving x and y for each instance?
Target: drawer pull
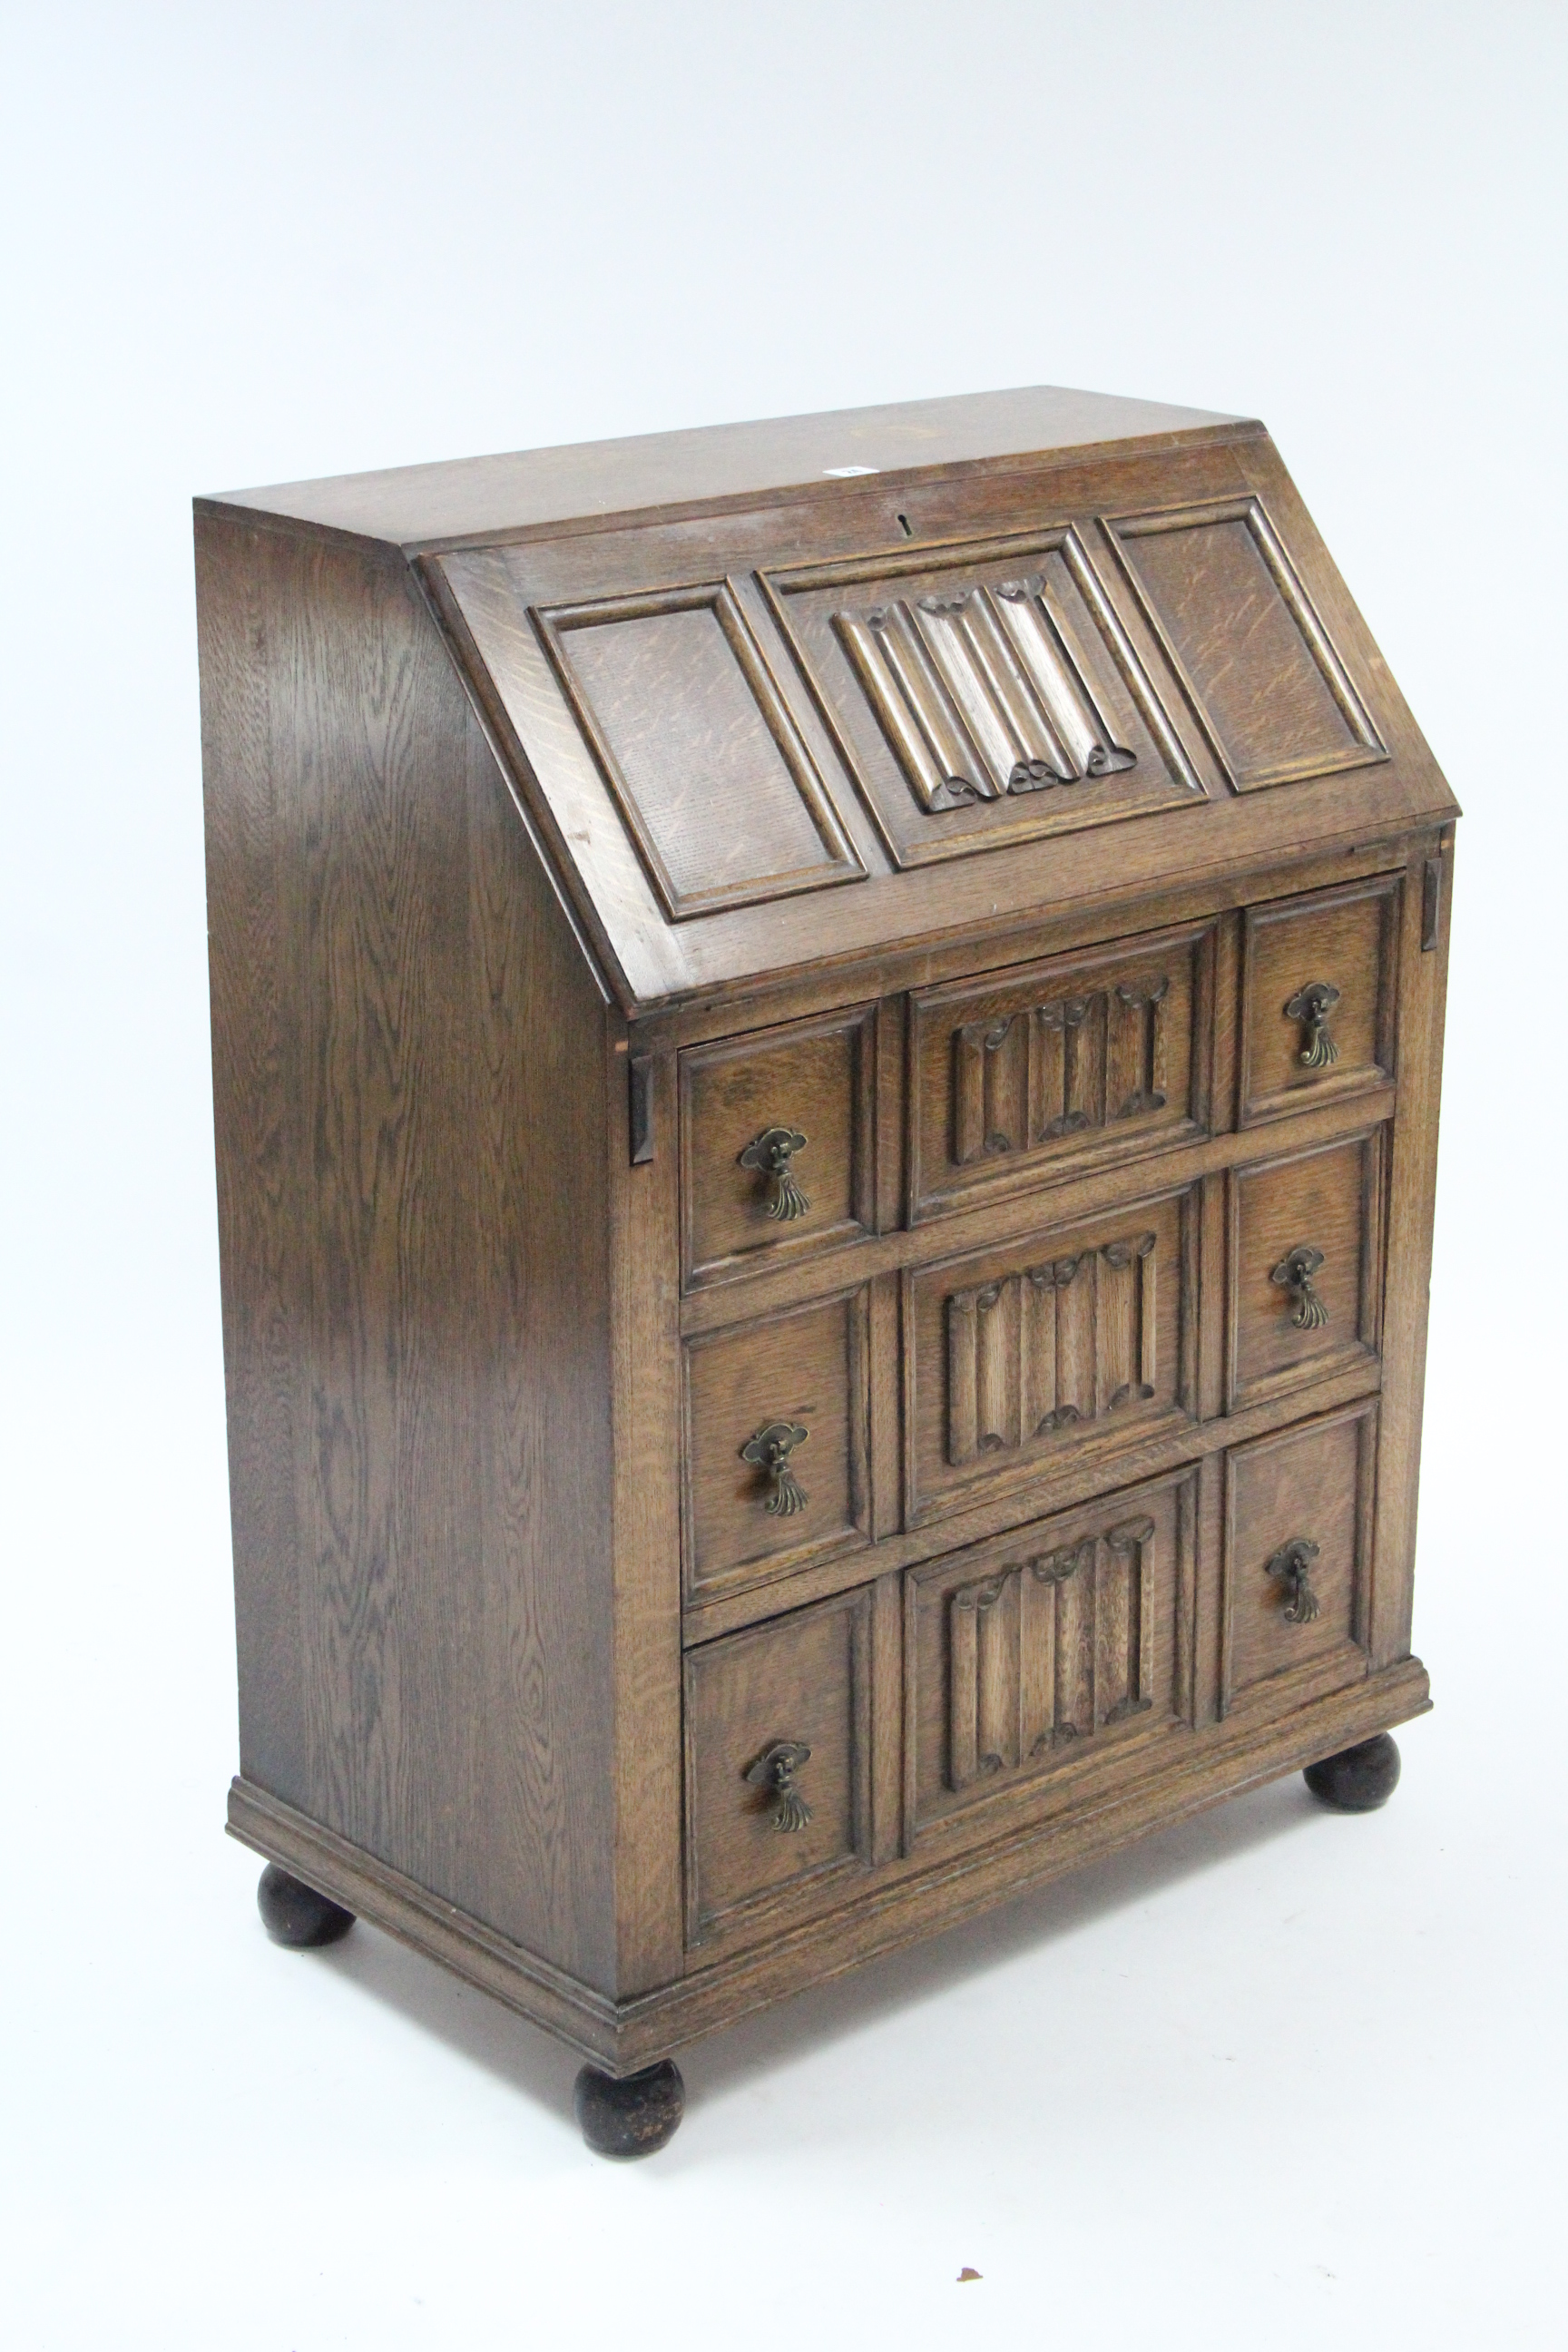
(769, 1452)
(1292, 1564)
(1295, 1274)
(770, 1154)
(1312, 1007)
(775, 1770)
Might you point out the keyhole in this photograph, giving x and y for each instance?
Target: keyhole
(904, 526)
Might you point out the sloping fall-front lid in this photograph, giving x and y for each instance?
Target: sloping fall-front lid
(837, 723)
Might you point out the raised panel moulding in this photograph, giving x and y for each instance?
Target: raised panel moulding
(1257, 665)
(713, 780)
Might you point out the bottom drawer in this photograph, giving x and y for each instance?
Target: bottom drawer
(1040, 1658)
(1298, 1551)
(778, 1764)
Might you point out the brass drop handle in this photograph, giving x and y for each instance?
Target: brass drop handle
(1295, 1274)
(1312, 1007)
(770, 1154)
(1293, 1565)
(769, 1452)
(775, 1770)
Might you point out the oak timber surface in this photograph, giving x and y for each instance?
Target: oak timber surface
(1030, 835)
(532, 489)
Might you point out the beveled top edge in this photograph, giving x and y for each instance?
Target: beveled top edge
(463, 499)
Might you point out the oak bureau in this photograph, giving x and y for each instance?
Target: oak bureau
(826, 1045)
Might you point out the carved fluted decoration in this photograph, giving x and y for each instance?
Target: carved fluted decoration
(981, 693)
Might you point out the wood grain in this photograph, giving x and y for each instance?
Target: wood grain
(505, 769)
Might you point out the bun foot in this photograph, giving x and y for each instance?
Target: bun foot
(634, 2116)
(1358, 1779)
(295, 1915)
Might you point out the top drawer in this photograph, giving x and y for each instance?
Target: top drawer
(1086, 1059)
(776, 1154)
(1322, 975)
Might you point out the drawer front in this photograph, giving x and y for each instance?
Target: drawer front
(778, 1764)
(1321, 983)
(776, 1144)
(1062, 1644)
(1298, 1549)
(1082, 1060)
(1074, 1341)
(1306, 1266)
(776, 1459)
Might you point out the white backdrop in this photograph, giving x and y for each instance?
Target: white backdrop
(1280, 2079)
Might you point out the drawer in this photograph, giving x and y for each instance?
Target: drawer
(1298, 1549)
(776, 1154)
(1321, 976)
(778, 1764)
(1306, 1285)
(1075, 1340)
(1084, 1059)
(776, 1458)
(1064, 1642)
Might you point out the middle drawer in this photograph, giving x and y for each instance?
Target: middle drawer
(1075, 1340)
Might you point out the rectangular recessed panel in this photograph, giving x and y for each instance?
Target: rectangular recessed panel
(1084, 1058)
(1047, 1647)
(786, 1703)
(776, 1469)
(1297, 1558)
(983, 694)
(1319, 975)
(712, 777)
(1272, 694)
(1071, 1342)
(776, 1144)
(1305, 1231)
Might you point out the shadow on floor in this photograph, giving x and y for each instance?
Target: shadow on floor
(490, 2035)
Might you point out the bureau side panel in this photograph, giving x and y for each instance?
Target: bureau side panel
(408, 1070)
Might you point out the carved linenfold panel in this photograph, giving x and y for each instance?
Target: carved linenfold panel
(1049, 1651)
(981, 693)
(1051, 1345)
(982, 1634)
(1139, 1038)
(1061, 1067)
(984, 693)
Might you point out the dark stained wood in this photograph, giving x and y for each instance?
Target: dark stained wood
(578, 822)
(808, 1369)
(815, 1079)
(1047, 1652)
(1073, 1340)
(1347, 940)
(1309, 1484)
(802, 1679)
(415, 1236)
(1059, 1066)
(1328, 1203)
(534, 490)
(632, 2115)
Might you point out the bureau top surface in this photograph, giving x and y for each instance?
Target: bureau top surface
(787, 695)
(531, 489)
